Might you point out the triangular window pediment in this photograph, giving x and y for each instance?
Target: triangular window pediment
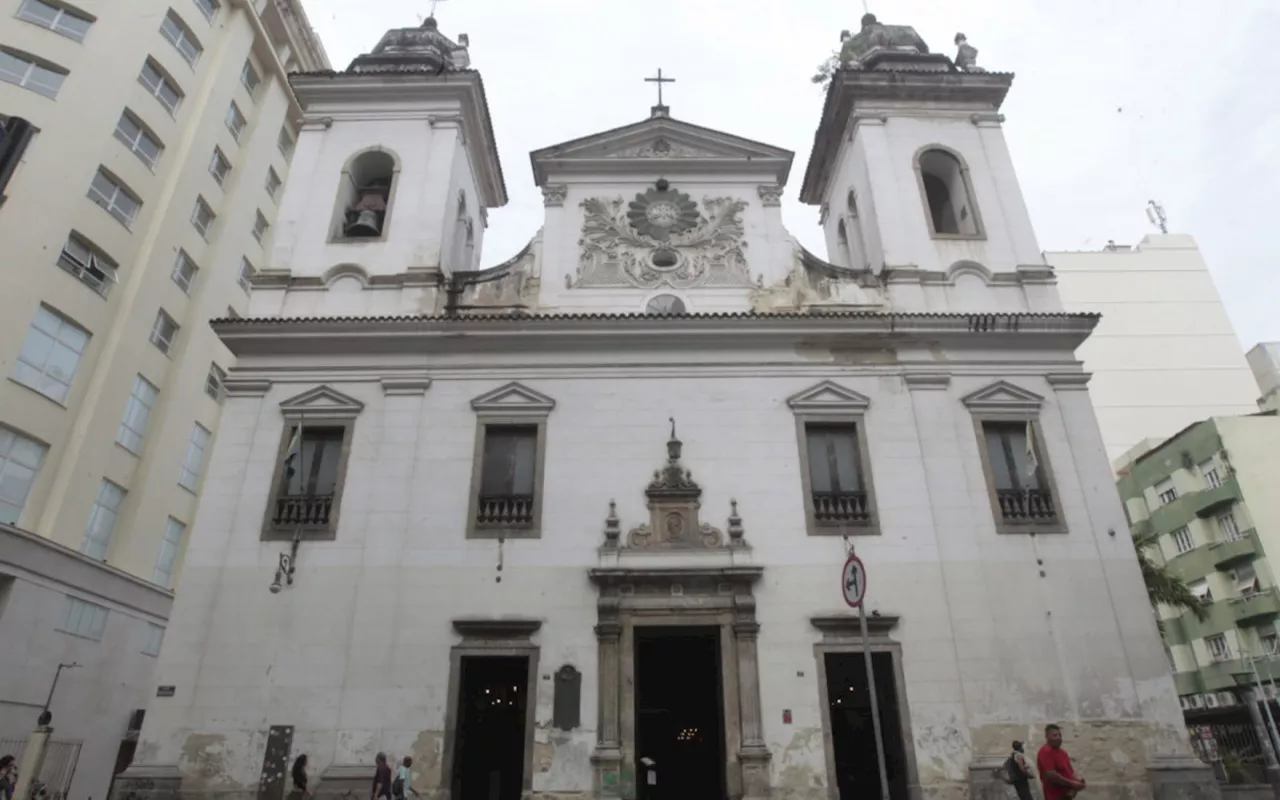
(830, 397)
(513, 398)
(322, 401)
(1005, 397)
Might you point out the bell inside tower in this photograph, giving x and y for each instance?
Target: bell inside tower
(368, 187)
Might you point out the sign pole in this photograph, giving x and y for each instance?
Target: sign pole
(854, 586)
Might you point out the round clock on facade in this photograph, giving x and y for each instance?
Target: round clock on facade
(665, 304)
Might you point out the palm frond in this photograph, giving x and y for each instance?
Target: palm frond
(1162, 585)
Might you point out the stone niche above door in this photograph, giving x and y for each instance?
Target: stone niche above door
(674, 502)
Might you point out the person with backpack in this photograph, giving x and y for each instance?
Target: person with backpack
(1019, 772)
(400, 788)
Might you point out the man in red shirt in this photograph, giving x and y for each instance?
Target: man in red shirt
(1056, 775)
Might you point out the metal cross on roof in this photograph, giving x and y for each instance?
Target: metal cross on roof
(434, 3)
(660, 80)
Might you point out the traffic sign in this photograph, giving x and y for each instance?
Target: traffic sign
(853, 581)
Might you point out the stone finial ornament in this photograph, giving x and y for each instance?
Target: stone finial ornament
(420, 49)
(967, 55)
(877, 39)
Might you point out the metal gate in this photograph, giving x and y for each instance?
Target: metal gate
(59, 763)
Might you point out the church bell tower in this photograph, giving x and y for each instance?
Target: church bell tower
(910, 167)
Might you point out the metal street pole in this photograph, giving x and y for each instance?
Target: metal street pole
(1266, 705)
(875, 703)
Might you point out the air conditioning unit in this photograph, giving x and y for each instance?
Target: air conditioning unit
(1195, 701)
(1185, 702)
(1210, 701)
(1226, 699)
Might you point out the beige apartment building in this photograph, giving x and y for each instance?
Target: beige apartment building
(138, 213)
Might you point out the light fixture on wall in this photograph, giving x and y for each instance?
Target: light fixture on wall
(285, 569)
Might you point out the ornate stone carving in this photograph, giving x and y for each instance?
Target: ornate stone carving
(421, 49)
(661, 148)
(770, 194)
(553, 195)
(614, 254)
(875, 39)
(673, 513)
(662, 212)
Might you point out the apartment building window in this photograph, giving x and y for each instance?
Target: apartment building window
(214, 382)
(37, 75)
(163, 331)
(50, 353)
(1267, 641)
(167, 558)
(102, 520)
(1227, 527)
(1246, 580)
(1217, 647)
(273, 182)
(20, 460)
(1166, 492)
(219, 166)
(235, 121)
(1200, 589)
(193, 460)
(114, 198)
(249, 77)
(184, 271)
(87, 262)
(1182, 540)
(260, 226)
(203, 217)
(137, 413)
(141, 142)
(1209, 471)
(82, 618)
(59, 19)
(208, 7)
(155, 638)
(507, 469)
(177, 32)
(162, 87)
(245, 276)
(285, 142)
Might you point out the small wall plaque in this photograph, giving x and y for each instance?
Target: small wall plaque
(566, 715)
(165, 691)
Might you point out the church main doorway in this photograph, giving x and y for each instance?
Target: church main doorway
(680, 735)
(492, 703)
(852, 732)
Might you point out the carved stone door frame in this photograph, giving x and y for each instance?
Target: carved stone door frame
(719, 597)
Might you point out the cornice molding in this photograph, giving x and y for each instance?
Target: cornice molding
(927, 381)
(1069, 381)
(405, 386)
(246, 387)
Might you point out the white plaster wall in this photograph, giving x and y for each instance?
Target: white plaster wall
(462, 183)
(880, 164)
(355, 654)
(1165, 354)
(93, 703)
(1264, 360)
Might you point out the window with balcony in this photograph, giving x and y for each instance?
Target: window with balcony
(1209, 471)
(214, 382)
(29, 72)
(164, 331)
(102, 520)
(219, 166)
(273, 182)
(208, 7)
(506, 484)
(1166, 492)
(193, 459)
(834, 466)
(1217, 647)
(161, 86)
(181, 37)
(249, 77)
(1267, 641)
(1019, 478)
(20, 460)
(50, 354)
(87, 262)
(1245, 578)
(82, 618)
(184, 271)
(235, 121)
(71, 23)
(202, 217)
(114, 197)
(1182, 540)
(1200, 589)
(306, 492)
(245, 276)
(1228, 528)
(139, 139)
(167, 557)
(137, 413)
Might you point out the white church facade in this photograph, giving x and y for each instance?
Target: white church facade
(572, 526)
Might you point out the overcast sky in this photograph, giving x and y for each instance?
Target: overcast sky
(1115, 103)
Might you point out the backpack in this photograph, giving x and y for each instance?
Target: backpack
(397, 786)
(1008, 772)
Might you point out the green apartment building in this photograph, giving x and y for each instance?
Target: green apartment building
(1211, 493)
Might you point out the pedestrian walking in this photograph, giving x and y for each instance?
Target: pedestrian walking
(299, 775)
(401, 785)
(1056, 774)
(381, 778)
(8, 777)
(1019, 772)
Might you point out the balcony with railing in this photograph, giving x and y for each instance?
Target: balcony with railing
(1244, 548)
(504, 511)
(841, 508)
(1026, 506)
(308, 511)
(1256, 607)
